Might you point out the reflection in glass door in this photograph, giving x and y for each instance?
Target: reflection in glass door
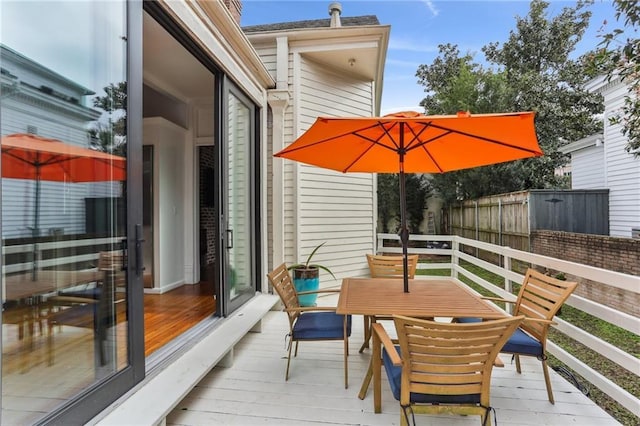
(147, 214)
(64, 213)
(238, 235)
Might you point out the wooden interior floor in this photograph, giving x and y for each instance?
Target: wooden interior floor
(168, 315)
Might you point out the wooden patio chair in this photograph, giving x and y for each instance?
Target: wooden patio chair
(309, 323)
(539, 299)
(443, 368)
(383, 266)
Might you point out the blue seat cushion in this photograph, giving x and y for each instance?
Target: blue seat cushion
(320, 326)
(468, 320)
(394, 374)
(521, 343)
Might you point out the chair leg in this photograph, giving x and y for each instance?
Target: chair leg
(518, 369)
(367, 381)
(367, 333)
(346, 354)
(547, 380)
(296, 352)
(286, 374)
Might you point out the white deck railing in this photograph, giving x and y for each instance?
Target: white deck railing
(449, 245)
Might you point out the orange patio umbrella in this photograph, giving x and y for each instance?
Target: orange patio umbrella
(410, 142)
(27, 156)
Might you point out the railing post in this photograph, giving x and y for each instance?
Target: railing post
(455, 260)
(508, 284)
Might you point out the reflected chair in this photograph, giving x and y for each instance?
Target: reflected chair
(91, 307)
(309, 323)
(382, 266)
(443, 368)
(539, 299)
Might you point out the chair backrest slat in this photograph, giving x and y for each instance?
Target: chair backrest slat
(281, 281)
(450, 358)
(541, 297)
(381, 266)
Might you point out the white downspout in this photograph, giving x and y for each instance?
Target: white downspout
(278, 100)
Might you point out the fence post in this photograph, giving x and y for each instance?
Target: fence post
(500, 242)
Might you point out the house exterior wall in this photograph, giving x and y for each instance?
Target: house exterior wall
(60, 114)
(587, 168)
(331, 206)
(621, 169)
(322, 205)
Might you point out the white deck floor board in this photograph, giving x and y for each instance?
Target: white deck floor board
(253, 391)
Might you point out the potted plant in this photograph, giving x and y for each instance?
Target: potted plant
(306, 277)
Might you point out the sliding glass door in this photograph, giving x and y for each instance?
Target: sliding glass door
(66, 293)
(240, 237)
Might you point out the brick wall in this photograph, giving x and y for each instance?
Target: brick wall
(612, 253)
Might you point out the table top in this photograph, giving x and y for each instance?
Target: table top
(426, 298)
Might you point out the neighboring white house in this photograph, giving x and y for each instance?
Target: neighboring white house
(601, 161)
(35, 94)
(325, 67)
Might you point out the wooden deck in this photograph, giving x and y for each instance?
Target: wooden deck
(253, 391)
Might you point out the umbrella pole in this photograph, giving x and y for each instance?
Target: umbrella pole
(36, 228)
(404, 232)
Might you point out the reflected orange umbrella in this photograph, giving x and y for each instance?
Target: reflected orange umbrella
(27, 156)
(410, 142)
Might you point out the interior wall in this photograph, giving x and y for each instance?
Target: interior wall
(156, 104)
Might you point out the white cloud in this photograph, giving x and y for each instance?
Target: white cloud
(432, 7)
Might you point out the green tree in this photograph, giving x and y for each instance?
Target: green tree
(110, 135)
(103, 138)
(620, 57)
(388, 200)
(532, 70)
(418, 190)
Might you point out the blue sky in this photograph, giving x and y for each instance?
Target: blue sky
(419, 26)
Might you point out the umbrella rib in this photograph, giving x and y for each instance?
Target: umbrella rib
(321, 141)
(471, 135)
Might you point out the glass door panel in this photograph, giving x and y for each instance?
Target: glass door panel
(64, 213)
(239, 208)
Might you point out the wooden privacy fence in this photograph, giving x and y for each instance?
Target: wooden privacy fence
(508, 219)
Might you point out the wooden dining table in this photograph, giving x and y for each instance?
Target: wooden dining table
(427, 298)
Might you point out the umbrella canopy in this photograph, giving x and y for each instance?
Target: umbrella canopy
(410, 142)
(27, 156)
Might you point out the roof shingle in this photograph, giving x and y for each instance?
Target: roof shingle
(314, 23)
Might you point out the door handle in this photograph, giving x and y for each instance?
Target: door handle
(139, 241)
(229, 238)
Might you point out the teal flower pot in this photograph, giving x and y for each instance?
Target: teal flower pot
(306, 280)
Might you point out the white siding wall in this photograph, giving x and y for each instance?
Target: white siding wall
(61, 204)
(622, 170)
(333, 207)
(587, 168)
(267, 54)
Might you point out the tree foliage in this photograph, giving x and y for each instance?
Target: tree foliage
(531, 71)
(110, 135)
(418, 190)
(621, 57)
